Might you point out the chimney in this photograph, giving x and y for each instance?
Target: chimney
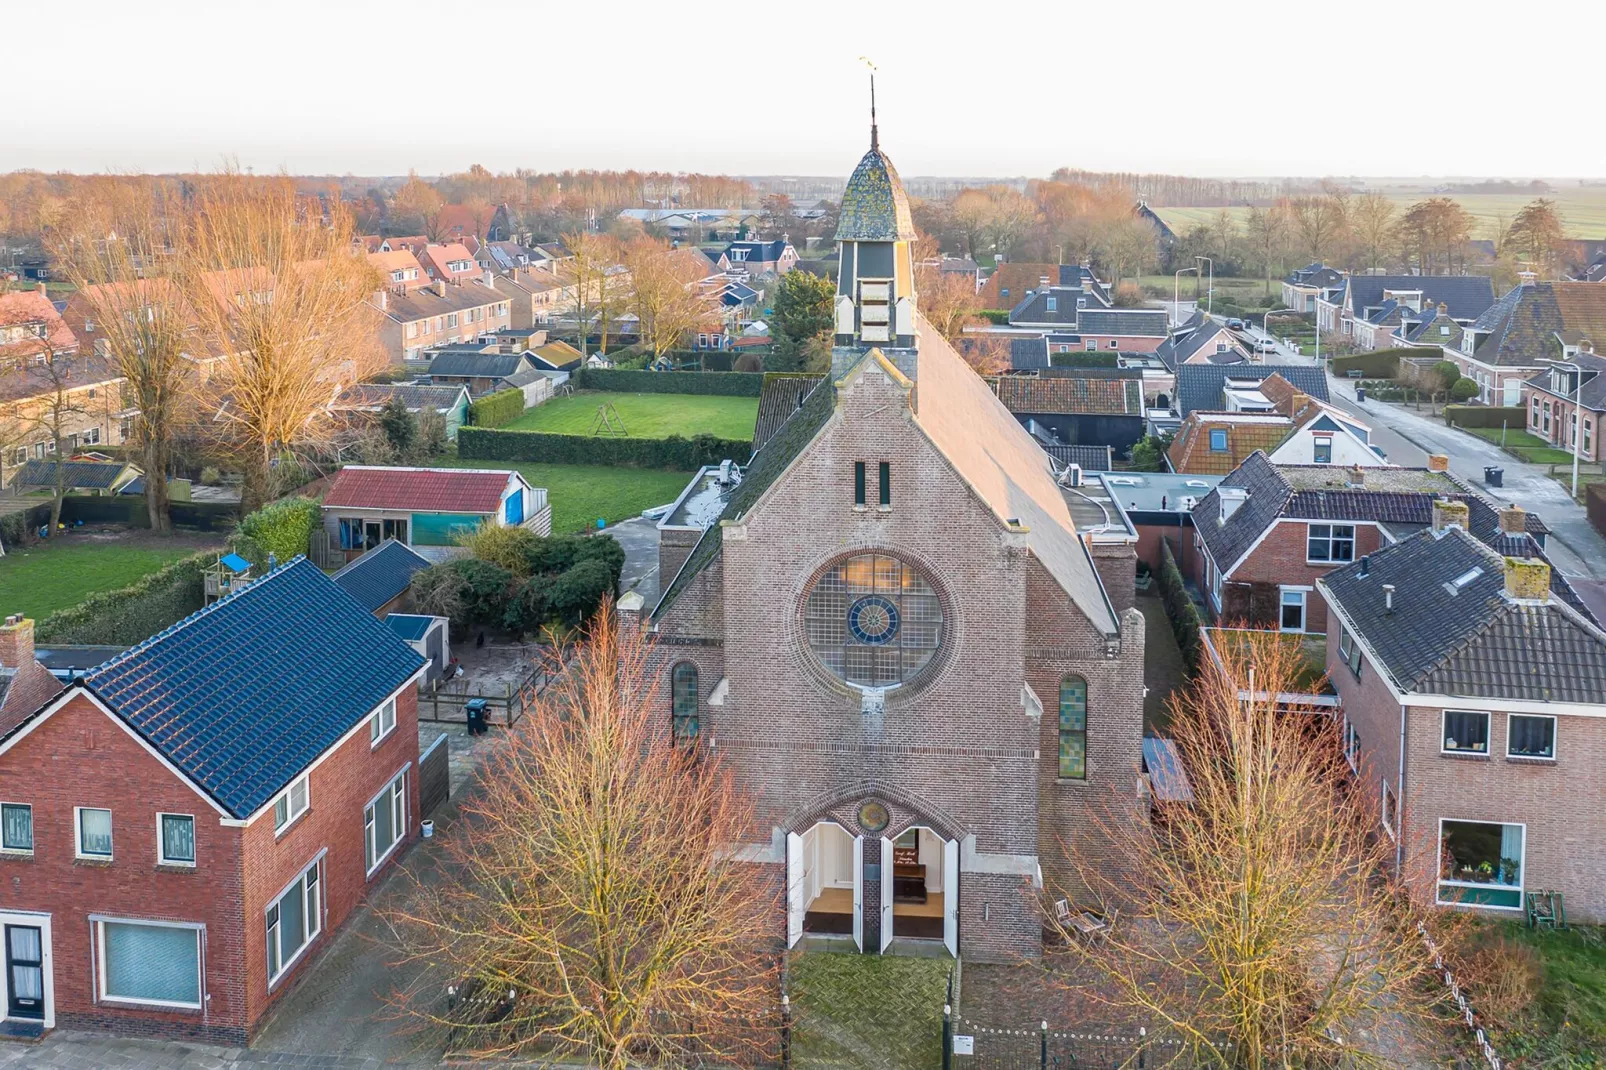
(1586, 346)
(43, 290)
(1388, 597)
(1443, 308)
(16, 642)
(1438, 462)
(1087, 284)
(489, 279)
(1527, 579)
(382, 299)
(1357, 476)
(1527, 278)
(1514, 520)
(1231, 498)
(1448, 514)
(439, 286)
(1042, 280)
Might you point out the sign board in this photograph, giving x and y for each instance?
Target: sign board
(964, 1045)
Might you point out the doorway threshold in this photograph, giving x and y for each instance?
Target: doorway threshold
(29, 1032)
(915, 947)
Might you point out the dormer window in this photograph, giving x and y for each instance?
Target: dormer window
(1053, 304)
(1081, 302)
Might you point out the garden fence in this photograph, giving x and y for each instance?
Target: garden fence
(968, 1045)
(447, 700)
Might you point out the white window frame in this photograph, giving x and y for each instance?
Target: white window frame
(287, 796)
(312, 914)
(378, 728)
(1330, 537)
(161, 841)
(1304, 608)
(1317, 443)
(100, 962)
(1522, 870)
(1555, 735)
(32, 839)
(78, 834)
(1388, 807)
(396, 788)
(1488, 719)
(1351, 740)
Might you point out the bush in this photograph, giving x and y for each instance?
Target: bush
(749, 363)
(559, 553)
(134, 613)
(1486, 416)
(495, 410)
(1463, 390)
(22, 528)
(1448, 373)
(485, 444)
(1127, 295)
(210, 476)
(577, 593)
(1502, 975)
(998, 317)
(726, 384)
(1179, 608)
(283, 528)
(438, 591)
(1380, 364)
(504, 546)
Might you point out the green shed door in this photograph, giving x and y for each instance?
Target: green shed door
(441, 529)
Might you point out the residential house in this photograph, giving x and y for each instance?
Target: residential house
(1201, 340)
(426, 508)
(1437, 331)
(381, 578)
(761, 257)
(1215, 443)
(451, 263)
(375, 243)
(1009, 283)
(1238, 387)
(89, 411)
(449, 400)
(1159, 506)
(1076, 318)
(1532, 324)
(481, 369)
(1268, 531)
(1303, 287)
(1567, 402)
(536, 294)
(437, 315)
(239, 782)
(1078, 406)
(1370, 308)
(508, 224)
(401, 269)
(1474, 704)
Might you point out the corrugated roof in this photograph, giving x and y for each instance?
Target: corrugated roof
(418, 490)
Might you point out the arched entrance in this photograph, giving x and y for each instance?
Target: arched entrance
(825, 883)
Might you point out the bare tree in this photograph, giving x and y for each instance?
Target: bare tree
(592, 255)
(1317, 220)
(1537, 234)
(947, 299)
(54, 381)
(664, 296)
(1373, 218)
(1268, 237)
(591, 880)
(419, 205)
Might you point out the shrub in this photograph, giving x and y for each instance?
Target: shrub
(998, 317)
(1379, 364)
(495, 410)
(1463, 390)
(506, 547)
(750, 363)
(1447, 373)
(134, 613)
(397, 425)
(282, 528)
(1486, 416)
(624, 381)
(211, 476)
(528, 606)
(484, 589)
(1502, 975)
(485, 444)
(438, 591)
(577, 593)
(1179, 608)
(1127, 295)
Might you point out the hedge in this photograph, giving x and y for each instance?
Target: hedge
(1486, 416)
(622, 381)
(134, 613)
(494, 410)
(1180, 609)
(998, 317)
(282, 529)
(1084, 360)
(485, 444)
(1379, 364)
(131, 509)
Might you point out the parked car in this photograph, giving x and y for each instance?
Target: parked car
(1235, 325)
(1265, 345)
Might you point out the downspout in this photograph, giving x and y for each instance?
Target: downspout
(1399, 797)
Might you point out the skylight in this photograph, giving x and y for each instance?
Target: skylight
(1461, 581)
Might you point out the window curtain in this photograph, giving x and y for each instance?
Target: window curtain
(1510, 847)
(152, 962)
(178, 838)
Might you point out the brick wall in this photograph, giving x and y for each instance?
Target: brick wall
(1280, 559)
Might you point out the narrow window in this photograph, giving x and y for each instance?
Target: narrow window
(293, 920)
(1073, 728)
(684, 701)
(382, 722)
(175, 842)
(858, 482)
(385, 822)
(94, 833)
(1322, 451)
(886, 483)
(16, 827)
(291, 804)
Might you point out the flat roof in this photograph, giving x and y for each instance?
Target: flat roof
(1095, 511)
(1153, 492)
(701, 503)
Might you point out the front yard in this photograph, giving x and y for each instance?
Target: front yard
(1523, 445)
(1565, 1023)
(38, 580)
(867, 1010)
(644, 415)
(580, 493)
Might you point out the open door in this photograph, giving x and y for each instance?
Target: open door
(858, 892)
(950, 896)
(797, 892)
(886, 894)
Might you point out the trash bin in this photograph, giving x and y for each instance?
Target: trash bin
(1493, 477)
(1360, 394)
(475, 709)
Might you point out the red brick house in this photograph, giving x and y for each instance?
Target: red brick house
(184, 828)
(1473, 686)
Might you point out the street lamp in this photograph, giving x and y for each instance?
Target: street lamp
(1176, 292)
(1265, 321)
(1210, 291)
(1578, 411)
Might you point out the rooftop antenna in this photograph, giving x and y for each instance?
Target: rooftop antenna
(875, 140)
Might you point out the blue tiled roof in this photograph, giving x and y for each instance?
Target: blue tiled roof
(380, 574)
(245, 694)
(409, 626)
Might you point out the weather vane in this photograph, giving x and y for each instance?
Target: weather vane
(874, 138)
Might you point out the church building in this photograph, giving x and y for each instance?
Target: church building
(892, 632)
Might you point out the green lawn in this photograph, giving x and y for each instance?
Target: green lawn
(1523, 445)
(580, 493)
(645, 415)
(64, 571)
(1566, 1023)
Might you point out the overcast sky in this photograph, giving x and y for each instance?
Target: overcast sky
(1247, 88)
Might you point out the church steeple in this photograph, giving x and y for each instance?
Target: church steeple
(875, 140)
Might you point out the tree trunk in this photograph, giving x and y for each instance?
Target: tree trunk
(153, 457)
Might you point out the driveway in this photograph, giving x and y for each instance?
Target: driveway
(639, 537)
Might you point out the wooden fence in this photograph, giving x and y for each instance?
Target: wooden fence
(447, 700)
(434, 776)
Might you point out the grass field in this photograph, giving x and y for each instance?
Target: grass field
(645, 415)
(580, 493)
(64, 571)
(1583, 211)
(1566, 1023)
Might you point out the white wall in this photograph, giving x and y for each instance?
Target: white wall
(833, 858)
(1347, 451)
(931, 858)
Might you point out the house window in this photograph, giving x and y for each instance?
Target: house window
(175, 839)
(1465, 732)
(1391, 809)
(92, 436)
(886, 482)
(382, 723)
(385, 822)
(451, 319)
(1530, 736)
(1533, 411)
(94, 832)
(1091, 345)
(19, 455)
(1481, 863)
(683, 687)
(1218, 440)
(150, 962)
(1053, 304)
(1322, 451)
(294, 919)
(1073, 728)
(395, 529)
(1292, 617)
(1352, 745)
(291, 803)
(1114, 344)
(858, 482)
(16, 827)
(1330, 543)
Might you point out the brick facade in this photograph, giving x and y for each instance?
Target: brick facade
(80, 756)
(1279, 559)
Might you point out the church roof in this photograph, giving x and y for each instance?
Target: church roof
(874, 205)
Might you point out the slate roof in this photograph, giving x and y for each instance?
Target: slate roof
(476, 365)
(1075, 275)
(874, 205)
(1186, 339)
(91, 475)
(1026, 354)
(1524, 324)
(1034, 307)
(782, 395)
(1089, 458)
(418, 490)
(380, 574)
(758, 252)
(1136, 322)
(1316, 275)
(1200, 386)
(1069, 395)
(1426, 332)
(1470, 641)
(1466, 297)
(1593, 393)
(424, 302)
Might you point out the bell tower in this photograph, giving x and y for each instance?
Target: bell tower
(875, 290)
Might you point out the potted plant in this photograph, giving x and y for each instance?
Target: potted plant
(1508, 871)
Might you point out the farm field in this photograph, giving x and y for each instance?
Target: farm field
(580, 493)
(38, 580)
(645, 415)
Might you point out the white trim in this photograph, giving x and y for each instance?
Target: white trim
(401, 826)
(99, 921)
(1354, 542)
(78, 835)
(1555, 737)
(1522, 869)
(20, 852)
(288, 964)
(1488, 730)
(1304, 608)
(292, 815)
(377, 718)
(161, 841)
(41, 921)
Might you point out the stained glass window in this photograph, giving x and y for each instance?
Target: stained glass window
(684, 700)
(1073, 728)
(874, 621)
